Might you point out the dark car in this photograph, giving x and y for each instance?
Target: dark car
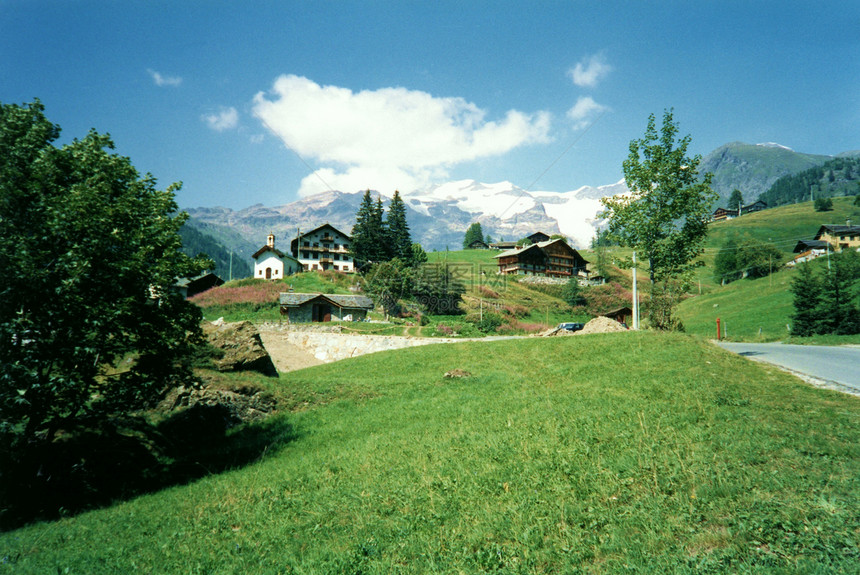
(570, 326)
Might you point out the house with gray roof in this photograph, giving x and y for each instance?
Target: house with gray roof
(323, 307)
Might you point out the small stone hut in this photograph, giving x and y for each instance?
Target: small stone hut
(321, 307)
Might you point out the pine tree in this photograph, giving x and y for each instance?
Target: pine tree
(398, 238)
(363, 235)
(473, 234)
(736, 201)
(837, 313)
(381, 251)
(806, 290)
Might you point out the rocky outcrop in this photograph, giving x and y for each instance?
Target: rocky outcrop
(241, 347)
(218, 408)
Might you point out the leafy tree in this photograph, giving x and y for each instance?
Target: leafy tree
(572, 293)
(388, 282)
(726, 266)
(396, 228)
(806, 292)
(857, 200)
(437, 290)
(823, 204)
(736, 201)
(665, 214)
(89, 251)
(758, 259)
(473, 234)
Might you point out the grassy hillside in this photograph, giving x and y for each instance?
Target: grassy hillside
(255, 300)
(749, 305)
(622, 453)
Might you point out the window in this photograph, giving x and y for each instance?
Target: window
(335, 268)
(337, 257)
(306, 244)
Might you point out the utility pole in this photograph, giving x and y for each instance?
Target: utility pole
(635, 296)
(231, 265)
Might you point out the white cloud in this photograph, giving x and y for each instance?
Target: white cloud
(225, 119)
(589, 71)
(164, 80)
(387, 139)
(584, 112)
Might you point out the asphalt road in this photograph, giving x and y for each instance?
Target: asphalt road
(830, 364)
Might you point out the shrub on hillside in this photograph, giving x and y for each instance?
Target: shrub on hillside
(487, 292)
(612, 295)
(512, 327)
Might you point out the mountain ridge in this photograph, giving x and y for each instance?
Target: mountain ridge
(439, 215)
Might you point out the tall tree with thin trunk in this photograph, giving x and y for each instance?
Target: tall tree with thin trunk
(664, 216)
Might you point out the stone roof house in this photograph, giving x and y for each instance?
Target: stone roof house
(320, 307)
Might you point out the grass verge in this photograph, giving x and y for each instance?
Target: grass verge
(630, 452)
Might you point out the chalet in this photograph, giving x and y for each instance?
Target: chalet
(320, 307)
(323, 248)
(723, 214)
(538, 237)
(756, 206)
(807, 250)
(190, 287)
(271, 263)
(839, 237)
(621, 315)
(503, 245)
(479, 245)
(553, 258)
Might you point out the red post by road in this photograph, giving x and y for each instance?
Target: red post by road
(718, 329)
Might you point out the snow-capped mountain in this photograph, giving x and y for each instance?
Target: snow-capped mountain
(438, 216)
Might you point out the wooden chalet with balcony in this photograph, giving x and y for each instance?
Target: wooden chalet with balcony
(323, 248)
(552, 258)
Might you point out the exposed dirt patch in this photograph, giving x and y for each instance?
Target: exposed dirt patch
(285, 355)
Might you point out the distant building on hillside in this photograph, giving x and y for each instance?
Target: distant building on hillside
(723, 214)
(538, 237)
(271, 263)
(839, 237)
(190, 287)
(479, 245)
(323, 248)
(756, 206)
(553, 258)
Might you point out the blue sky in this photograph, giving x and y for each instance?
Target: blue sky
(264, 102)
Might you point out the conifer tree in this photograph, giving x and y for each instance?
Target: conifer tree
(473, 234)
(363, 233)
(398, 240)
(806, 290)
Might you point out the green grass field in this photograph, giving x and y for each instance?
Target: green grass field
(621, 453)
